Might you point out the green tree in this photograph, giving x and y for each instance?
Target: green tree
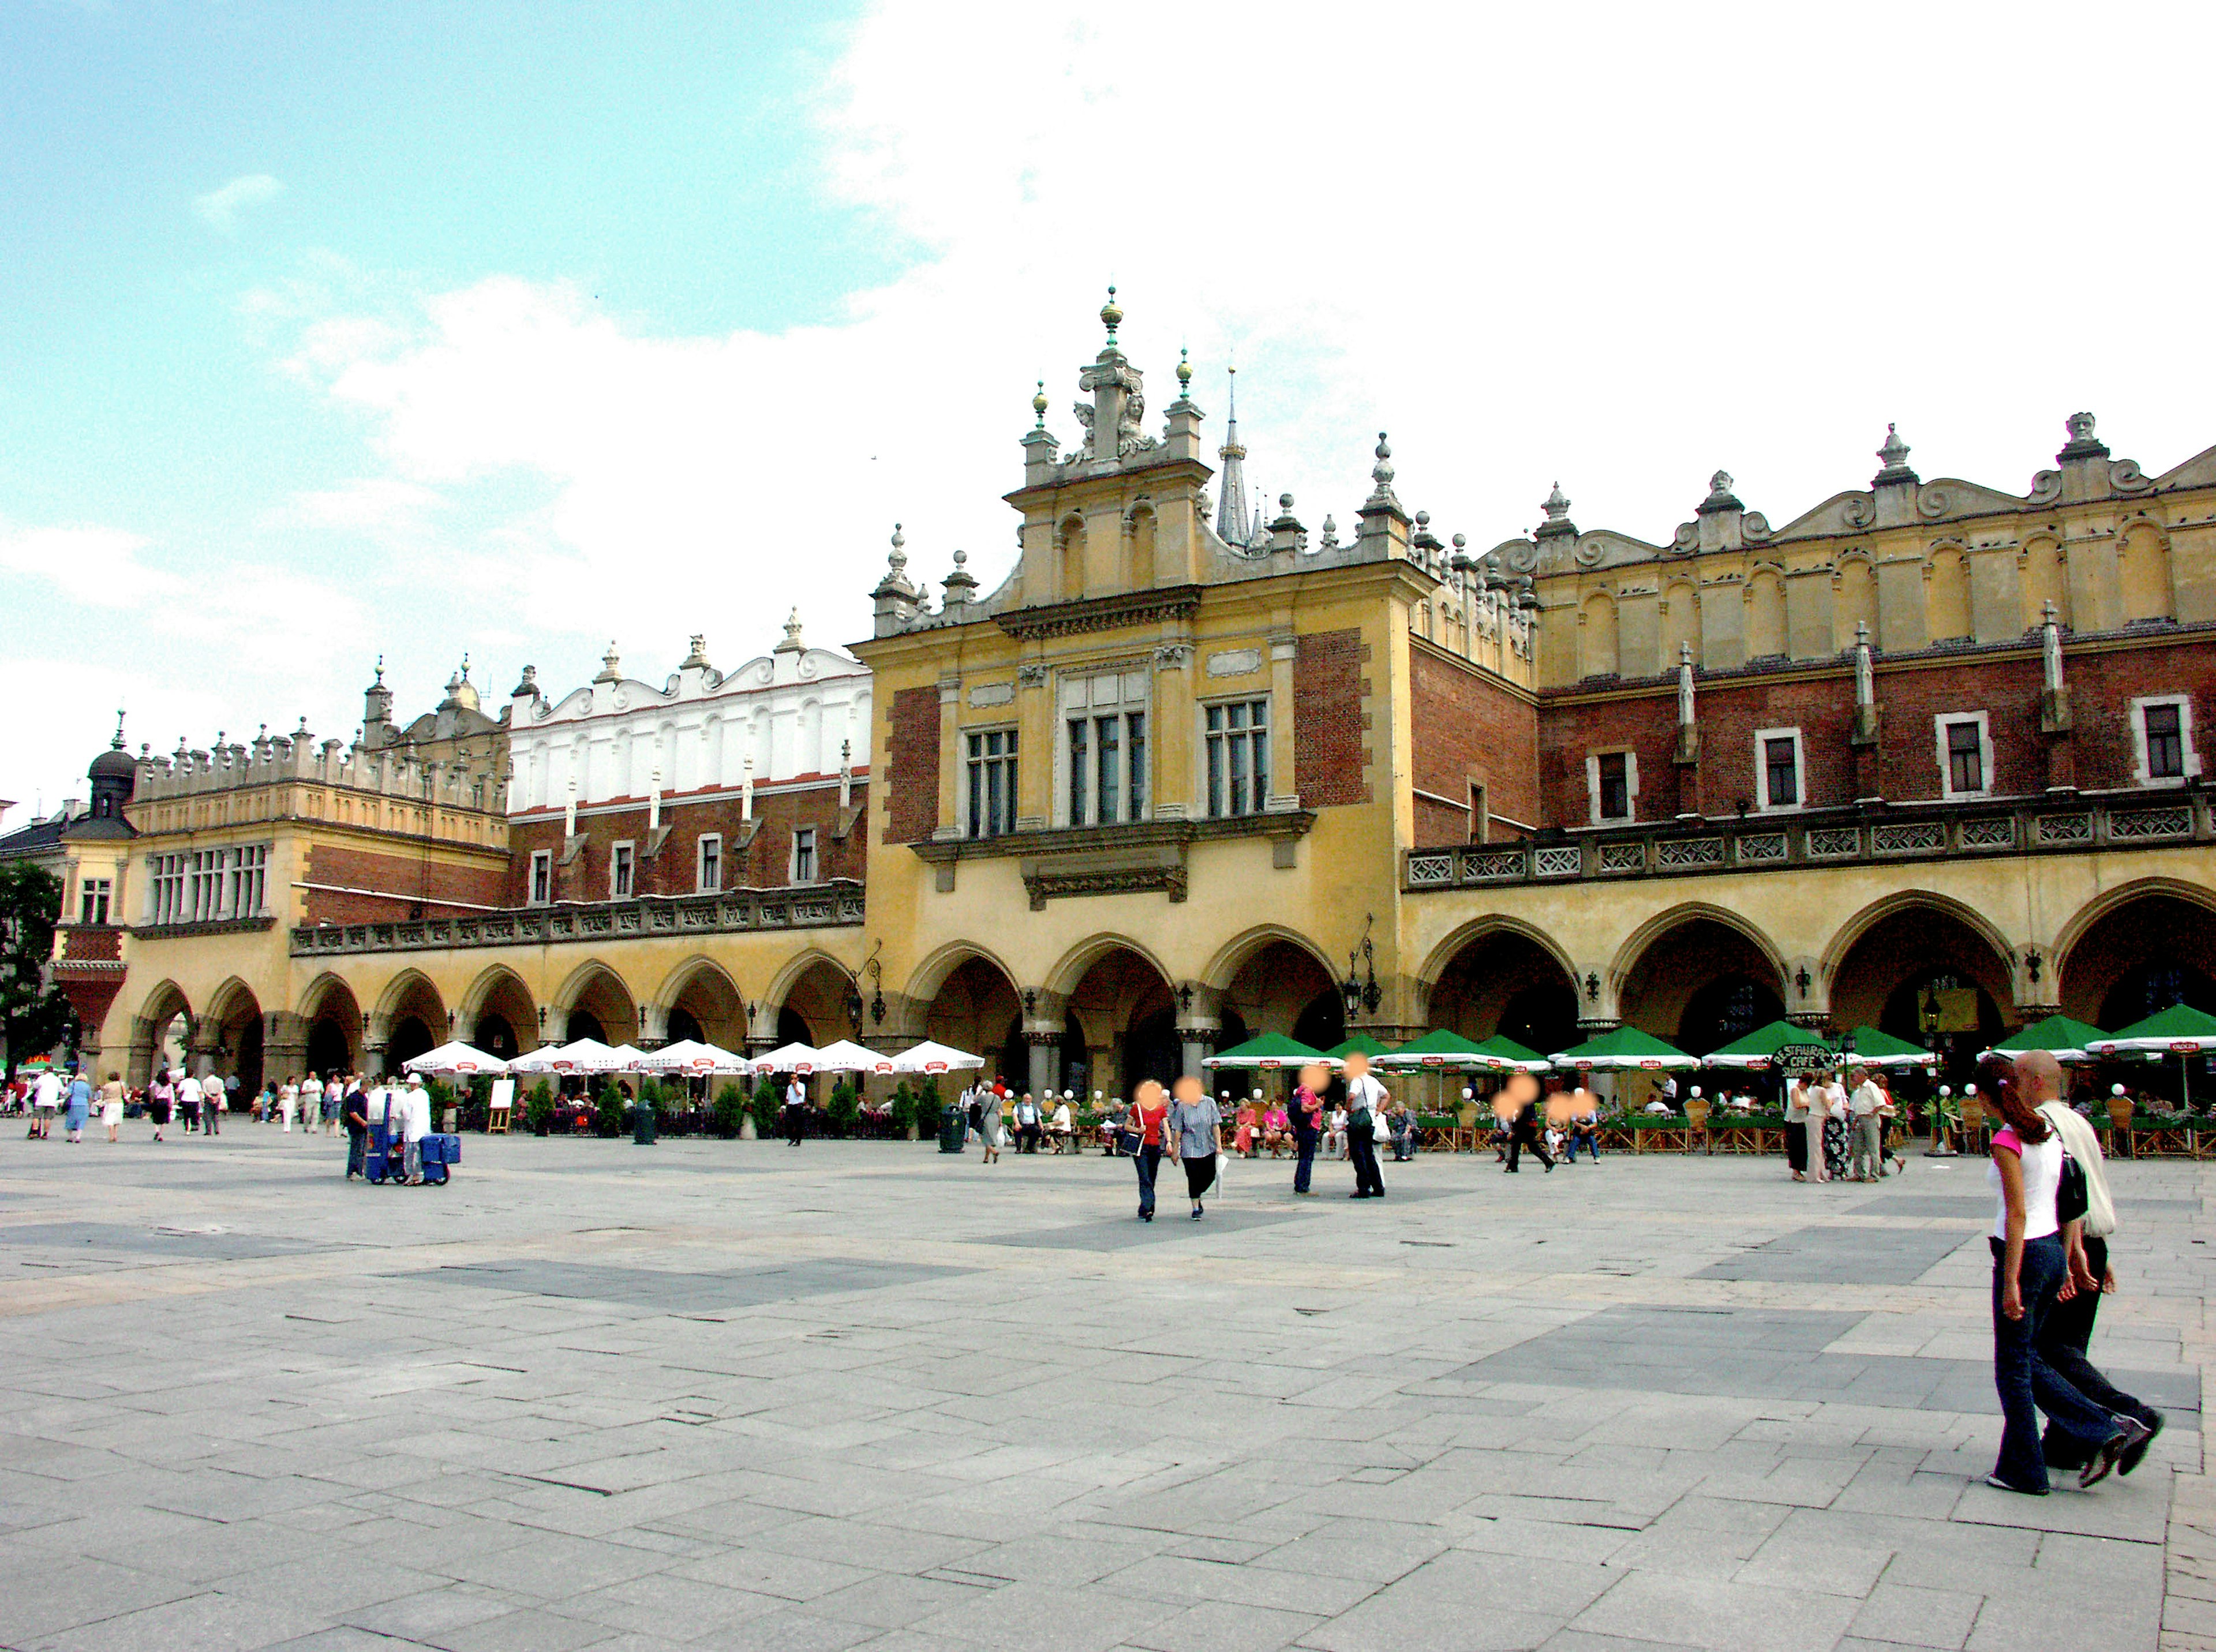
(34, 1014)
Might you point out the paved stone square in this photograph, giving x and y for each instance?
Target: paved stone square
(732, 1394)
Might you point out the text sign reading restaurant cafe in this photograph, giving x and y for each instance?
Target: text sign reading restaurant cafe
(1798, 1059)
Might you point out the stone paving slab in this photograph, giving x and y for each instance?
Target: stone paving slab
(864, 1395)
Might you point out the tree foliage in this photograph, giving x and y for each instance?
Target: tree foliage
(34, 1014)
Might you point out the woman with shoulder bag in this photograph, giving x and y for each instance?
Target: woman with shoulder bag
(1142, 1140)
(1194, 1138)
(1365, 1099)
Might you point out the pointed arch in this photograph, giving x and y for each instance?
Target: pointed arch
(1902, 901)
(684, 974)
(1636, 943)
(1232, 954)
(225, 1002)
(319, 998)
(167, 1000)
(579, 981)
(796, 969)
(930, 973)
(2111, 900)
(1063, 979)
(1458, 940)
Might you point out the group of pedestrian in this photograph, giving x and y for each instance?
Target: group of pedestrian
(2054, 1217)
(1835, 1135)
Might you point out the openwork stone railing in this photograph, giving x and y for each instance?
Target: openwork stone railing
(817, 906)
(1836, 836)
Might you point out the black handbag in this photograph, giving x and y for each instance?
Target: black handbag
(2071, 1198)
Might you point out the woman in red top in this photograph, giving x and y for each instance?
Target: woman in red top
(1150, 1107)
(1308, 1122)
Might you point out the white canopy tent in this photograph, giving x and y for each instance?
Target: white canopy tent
(846, 1056)
(928, 1057)
(787, 1058)
(583, 1055)
(690, 1055)
(456, 1058)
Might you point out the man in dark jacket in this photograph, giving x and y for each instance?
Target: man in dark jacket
(356, 1111)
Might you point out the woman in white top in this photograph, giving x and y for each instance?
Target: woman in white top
(1804, 1119)
(2031, 1273)
(288, 1100)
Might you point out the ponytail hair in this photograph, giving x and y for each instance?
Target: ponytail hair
(1997, 1078)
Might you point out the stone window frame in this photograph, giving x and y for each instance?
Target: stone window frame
(623, 868)
(814, 851)
(539, 892)
(1941, 722)
(2189, 753)
(707, 844)
(1012, 761)
(1123, 709)
(1630, 785)
(1762, 739)
(1259, 794)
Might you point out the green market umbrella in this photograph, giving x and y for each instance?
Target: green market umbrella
(1270, 1050)
(1507, 1052)
(1360, 1044)
(2180, 1030)
(1436, 1049)
(1759, 1047)
(2059, 1036)
(1626, 1049)
(1875, 1049)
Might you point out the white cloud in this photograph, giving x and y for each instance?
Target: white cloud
(219, 208)
(88, 564)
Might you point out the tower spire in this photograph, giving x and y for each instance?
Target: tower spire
(1232, 522)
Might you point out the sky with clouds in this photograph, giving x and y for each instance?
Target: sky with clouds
(513, 328)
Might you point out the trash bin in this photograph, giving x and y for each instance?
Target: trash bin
(642, 1123)
(953, 1126)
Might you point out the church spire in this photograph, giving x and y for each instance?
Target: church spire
(1232, 523)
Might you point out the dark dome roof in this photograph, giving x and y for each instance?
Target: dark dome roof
(115, 763)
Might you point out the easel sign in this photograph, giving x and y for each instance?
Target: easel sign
(500, 1107)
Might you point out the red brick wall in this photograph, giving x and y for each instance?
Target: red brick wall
(2101, 686)
(1470, 731)
(765, 863)
(400, 883)
(1330, 729)
(911, 765)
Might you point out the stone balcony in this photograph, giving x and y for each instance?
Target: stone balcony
(833, 904)
(1883, 834)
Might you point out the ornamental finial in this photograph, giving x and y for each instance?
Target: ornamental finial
(1183, 373)
(1038, 406)
(897, 558)
(1111, 313)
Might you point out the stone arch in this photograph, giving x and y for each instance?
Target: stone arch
(594, 996)
(974, 1005)
(2040, 581)
(1444, 955)
(150, 1030)
(1681, 623)
(230, 1033)
(1500, 975)
(1232, 955)
(412, 1017)
(701, 990)
(788, 976)
(1282, 983)
(1947, 594)
(1078, 961)
(331, 1026)
(1856, 584)
(498, 1010)
(2135, 949)
(930, 974)
(1069, 558)
(814, 991)
(1699, 973)
(1901, 901)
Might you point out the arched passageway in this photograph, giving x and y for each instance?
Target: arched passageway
(705, 1006)
(1925, 973)
(2141, 957)
(415, 1020)
(596, 1005)
(334, 1029)
(500, 1016)
(162, 1035)
(976, 1009)
(1504, 983)
(1702, 983)
(1281, 987)
(1127, 1016)
(816, 1009)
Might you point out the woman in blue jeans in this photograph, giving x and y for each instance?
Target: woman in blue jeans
(1149, 1109)
(2030, 1273)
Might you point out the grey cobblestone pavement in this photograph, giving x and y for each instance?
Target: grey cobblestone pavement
(714, 1394)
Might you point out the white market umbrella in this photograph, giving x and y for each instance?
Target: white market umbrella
(627, 1058)
(538, 1060)
(928, 1057)
(787, 1058)
(846, 1056)
(456, 1058)
(690, 1055)
(579, 1055)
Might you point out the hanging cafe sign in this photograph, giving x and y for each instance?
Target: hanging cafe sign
(1798, 1059)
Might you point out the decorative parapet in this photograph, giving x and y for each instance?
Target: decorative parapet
(275, 760)
(835, 905)
(1835, 838)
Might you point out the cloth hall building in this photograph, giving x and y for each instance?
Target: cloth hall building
(1928, 756)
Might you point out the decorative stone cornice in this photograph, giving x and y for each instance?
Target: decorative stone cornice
(1102, 613)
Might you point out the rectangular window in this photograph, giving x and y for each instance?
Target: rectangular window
(622, 863)
(542, 876)
(1966, 758)
(1616, 786)
(1103, 775)
(1481, 825)
(92, 907)
(165, 888)
(1777, 763)
(708, 874)
(253, 885)
(1238, 736)
(1109, 745)
(992, 782)
(804, 855)
(2165, 741)
(1135, 729)
(1081, 768)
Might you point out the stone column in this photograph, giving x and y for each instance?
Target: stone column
(1042, 1042)
(1198, 1039)
(284, 1045)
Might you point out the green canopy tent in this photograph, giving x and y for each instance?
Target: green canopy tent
(2180, 1030)
(1626, 1049)
(1760, 1048)
(1872, 1048)
(2059, 1036)
(1503, 1051)
(1438, 1049)
(1268, 1053)
(1360, 1044)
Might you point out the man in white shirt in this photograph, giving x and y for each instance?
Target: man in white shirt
(1868, 1108)
(2067, 1332)
(1365, 1101)
(45, 1096)
(414, 1125)
(189, 1102)
(1062, 1125)
(796, 1110)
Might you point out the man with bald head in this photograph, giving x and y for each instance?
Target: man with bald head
(2067, 1330)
